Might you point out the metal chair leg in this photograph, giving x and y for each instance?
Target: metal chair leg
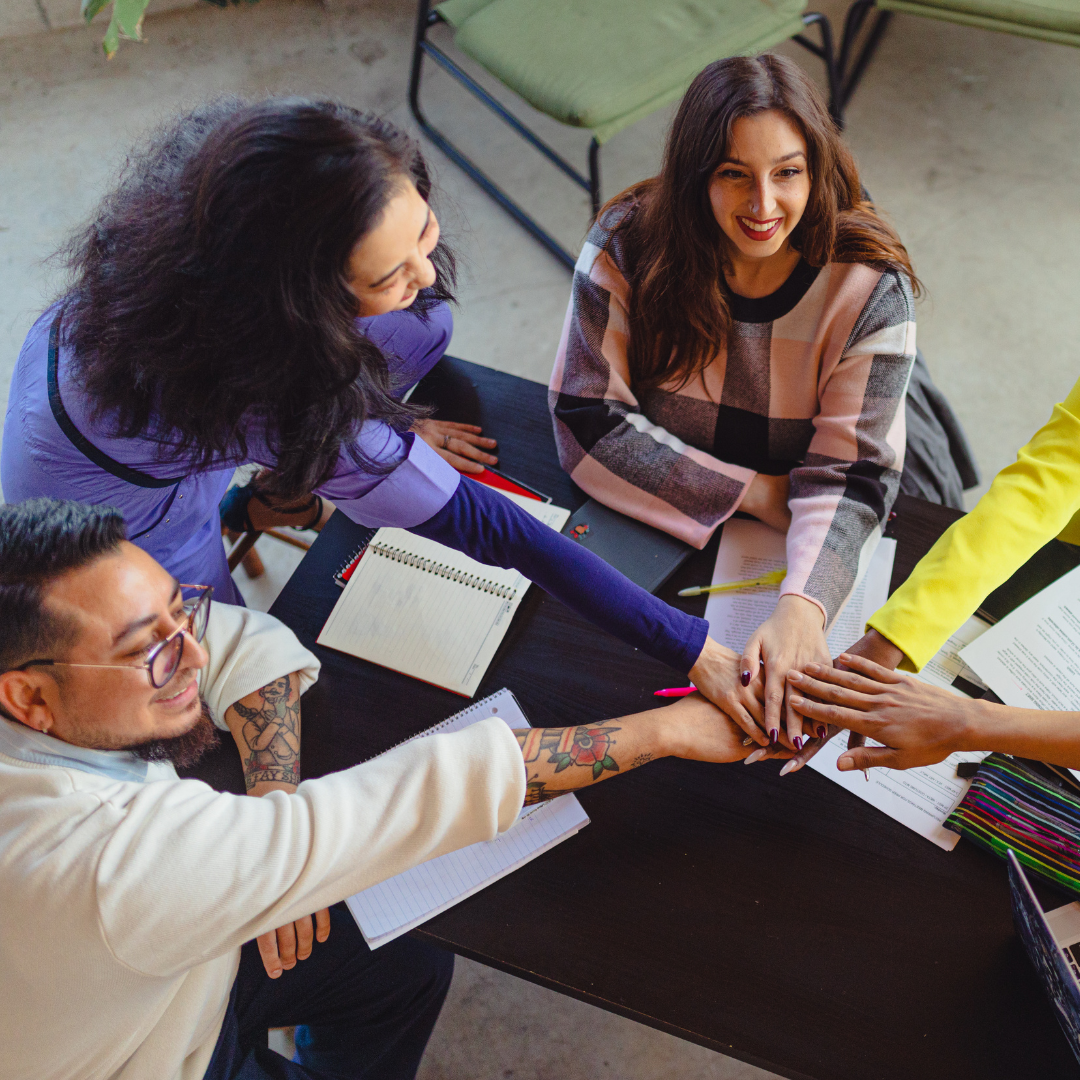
(856, 16)
(828, 55)
(421, 46)
(594, 177)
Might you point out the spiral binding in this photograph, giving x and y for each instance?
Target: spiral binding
(430, 566)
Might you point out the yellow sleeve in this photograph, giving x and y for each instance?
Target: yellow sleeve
(1029, 503)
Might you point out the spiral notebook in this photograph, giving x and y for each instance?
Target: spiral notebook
(395, 906)
(429, 611)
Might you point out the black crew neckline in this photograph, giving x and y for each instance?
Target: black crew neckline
(776, 305)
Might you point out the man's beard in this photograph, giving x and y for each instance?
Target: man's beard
(182, 750)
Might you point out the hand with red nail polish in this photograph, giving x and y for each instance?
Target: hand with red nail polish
(729, 685)
(793, 636)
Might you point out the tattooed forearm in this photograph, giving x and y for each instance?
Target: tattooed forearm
(266, 726)
(555, 758)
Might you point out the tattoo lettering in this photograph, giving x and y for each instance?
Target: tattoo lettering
(537, 791)
(271, 733)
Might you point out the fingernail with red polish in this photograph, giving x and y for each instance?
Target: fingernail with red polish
(822, 731)
(745, 678)
(797, 742)
(774, 736)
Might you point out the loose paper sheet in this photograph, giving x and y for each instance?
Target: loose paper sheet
(1031, 659)
(749, 549)
(921, 799)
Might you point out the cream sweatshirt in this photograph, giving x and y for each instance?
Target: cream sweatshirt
(123, 904)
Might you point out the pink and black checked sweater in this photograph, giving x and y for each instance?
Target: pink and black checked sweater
(812, 382)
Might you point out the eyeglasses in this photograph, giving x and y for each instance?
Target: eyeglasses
(163, 659)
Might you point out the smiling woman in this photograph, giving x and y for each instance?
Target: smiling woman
(741, 336)
(264, 284)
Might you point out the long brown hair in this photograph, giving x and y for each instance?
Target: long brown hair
(676, 252)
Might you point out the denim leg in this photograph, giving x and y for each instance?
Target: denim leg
(361, 1015)
(412, 343)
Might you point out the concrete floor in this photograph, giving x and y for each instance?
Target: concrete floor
(968, 139)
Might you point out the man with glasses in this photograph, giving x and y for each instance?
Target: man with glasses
(132, 901)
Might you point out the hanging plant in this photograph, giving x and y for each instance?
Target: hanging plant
(127, 19)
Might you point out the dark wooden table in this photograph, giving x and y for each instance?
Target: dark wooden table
(780, 921)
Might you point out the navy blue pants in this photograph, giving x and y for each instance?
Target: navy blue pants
(360, 1015)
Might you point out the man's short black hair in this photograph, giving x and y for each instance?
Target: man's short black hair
(40, 539)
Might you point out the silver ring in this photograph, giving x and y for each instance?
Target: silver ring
(446, 442)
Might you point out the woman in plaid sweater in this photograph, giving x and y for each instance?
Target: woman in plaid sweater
(741, 336)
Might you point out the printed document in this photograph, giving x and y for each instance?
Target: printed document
(749, 549)
(1031, 658)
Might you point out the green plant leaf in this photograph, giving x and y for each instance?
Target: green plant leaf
(610, 764)
(111, 41)
(90, 8)
(597, 769)
(564, 762)
(129, 15)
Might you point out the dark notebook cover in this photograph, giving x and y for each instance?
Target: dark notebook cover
(647, 556)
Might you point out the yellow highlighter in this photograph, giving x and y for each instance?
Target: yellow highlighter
(773, 577)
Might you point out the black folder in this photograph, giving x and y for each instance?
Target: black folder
(647, 556)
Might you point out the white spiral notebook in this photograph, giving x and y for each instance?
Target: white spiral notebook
(397, 905)
(429, 611)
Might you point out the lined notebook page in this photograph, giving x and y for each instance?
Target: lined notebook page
(427, 610)
(397, 905)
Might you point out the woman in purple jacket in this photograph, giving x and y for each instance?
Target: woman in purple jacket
(262, 286)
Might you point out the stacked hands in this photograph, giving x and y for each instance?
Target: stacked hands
(785, 694)
(790, 711)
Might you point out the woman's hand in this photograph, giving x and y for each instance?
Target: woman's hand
(460, 444)
(792, 637)
(767, 499)
(919, 724)
(872, 646)
(716, 675)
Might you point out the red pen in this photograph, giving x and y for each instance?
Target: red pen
(675, 691)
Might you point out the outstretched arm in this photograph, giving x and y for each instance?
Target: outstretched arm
(266, 727)
(921, 724)
(562, 759)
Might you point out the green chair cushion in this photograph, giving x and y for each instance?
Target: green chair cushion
(1048, 20)
(604, 64)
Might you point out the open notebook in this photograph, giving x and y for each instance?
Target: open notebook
(395, 906)
(427, 610)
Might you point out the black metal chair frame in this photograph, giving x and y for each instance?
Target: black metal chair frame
(853, 23)
(426, 18)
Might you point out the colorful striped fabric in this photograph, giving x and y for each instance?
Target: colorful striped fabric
(1010, 805)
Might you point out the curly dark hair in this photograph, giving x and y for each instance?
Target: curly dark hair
(209, 296)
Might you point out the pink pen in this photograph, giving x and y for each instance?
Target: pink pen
(675, 691)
